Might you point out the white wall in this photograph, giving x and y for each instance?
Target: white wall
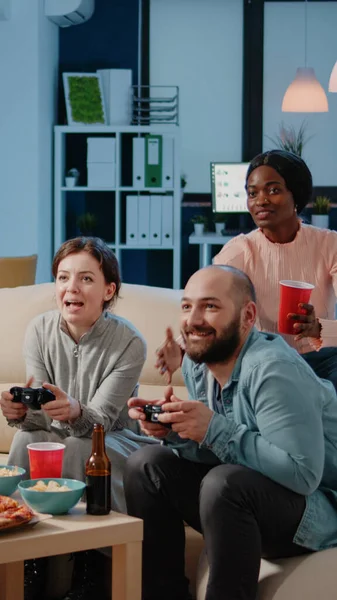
(198, 45)
(28, 72)
(283, 53)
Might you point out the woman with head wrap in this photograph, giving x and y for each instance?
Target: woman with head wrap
(279, 186)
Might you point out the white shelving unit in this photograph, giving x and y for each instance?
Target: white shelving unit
(61, 192)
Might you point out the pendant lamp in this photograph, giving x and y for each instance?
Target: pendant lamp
(333, 79)
(305, 93)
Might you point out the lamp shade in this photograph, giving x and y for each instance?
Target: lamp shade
(333, 79)
(305, 93)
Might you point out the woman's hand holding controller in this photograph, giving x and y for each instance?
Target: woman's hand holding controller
(13, 410)
(64, 407)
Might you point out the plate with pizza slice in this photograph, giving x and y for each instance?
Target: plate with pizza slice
(13, 514)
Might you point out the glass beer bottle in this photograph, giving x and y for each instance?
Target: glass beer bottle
(98, 475)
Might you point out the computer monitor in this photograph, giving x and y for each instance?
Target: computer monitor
(228, 187)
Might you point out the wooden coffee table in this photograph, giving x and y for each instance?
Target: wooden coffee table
(74, 532)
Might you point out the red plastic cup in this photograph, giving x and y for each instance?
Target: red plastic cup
(45, 459)
(292, 293)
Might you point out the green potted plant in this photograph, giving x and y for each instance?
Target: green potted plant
(219, 221)
(72, 177)
(87, 223)
(291, 140)
(200, 223)
(320, 211)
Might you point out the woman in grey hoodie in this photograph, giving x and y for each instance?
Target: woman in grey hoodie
(89, 358)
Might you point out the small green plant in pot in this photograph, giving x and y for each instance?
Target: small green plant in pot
(321, 205)
(87, 224)
(72, 177)
(290, 139)
(200, 223)
(320, 211)
(219, 221)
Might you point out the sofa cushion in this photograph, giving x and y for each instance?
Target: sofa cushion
(193, 549)
(151, 310)
(17, 307)
(307, 577)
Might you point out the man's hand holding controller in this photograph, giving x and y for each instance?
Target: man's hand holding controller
(151, 428)
(188, 418)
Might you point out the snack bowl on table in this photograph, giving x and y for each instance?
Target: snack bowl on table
(52, 502)
(9, 483)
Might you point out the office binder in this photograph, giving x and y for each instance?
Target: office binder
(132, 220)
(167, 179)
(153, 160)
(155, 220)
(138, 163)
(167, 220)
(143, 220)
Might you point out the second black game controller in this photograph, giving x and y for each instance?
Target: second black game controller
(32, 397)
(152, 411)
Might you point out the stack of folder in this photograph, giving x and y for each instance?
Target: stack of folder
(152, 158)
(149, 220)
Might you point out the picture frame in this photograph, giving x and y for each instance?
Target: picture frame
(83, 93)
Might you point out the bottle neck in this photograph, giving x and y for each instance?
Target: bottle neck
(98, 445)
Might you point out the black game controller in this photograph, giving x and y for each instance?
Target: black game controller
(32, 397)
(151, 412)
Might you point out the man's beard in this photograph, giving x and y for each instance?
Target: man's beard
(217, 350)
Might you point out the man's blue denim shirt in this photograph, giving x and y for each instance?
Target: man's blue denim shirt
(279, 419)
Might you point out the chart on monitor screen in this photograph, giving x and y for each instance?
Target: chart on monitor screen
(228, 187)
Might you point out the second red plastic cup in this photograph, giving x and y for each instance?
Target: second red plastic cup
(292, 293)
(45, 459)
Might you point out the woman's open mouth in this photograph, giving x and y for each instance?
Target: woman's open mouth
(73, 305)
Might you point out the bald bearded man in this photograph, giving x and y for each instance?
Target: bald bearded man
(250, 458)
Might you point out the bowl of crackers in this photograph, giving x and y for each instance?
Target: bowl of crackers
(51, 496)
(10, 476)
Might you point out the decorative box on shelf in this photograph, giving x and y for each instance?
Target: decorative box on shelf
(101, 162)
